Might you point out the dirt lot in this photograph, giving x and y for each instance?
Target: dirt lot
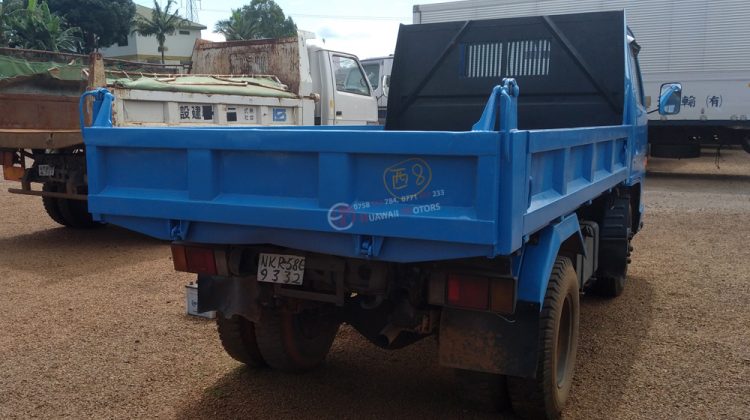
(93, 326)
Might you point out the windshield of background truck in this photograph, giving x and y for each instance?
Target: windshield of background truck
(349, 76)
(373, 74)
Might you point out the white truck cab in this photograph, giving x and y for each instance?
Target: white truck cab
(346, 97)
(378, 71)
(335, 81)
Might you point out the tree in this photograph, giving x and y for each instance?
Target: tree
(35, 27)
(259, 19)
(162, 23)
(102, 22)
(6, 8)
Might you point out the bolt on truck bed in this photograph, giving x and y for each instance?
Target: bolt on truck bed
(480, 198)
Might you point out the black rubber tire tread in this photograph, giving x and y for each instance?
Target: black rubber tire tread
(237, 336)
(540, 398)
(284, 348)
(484, 391)
(51, 206)
(617, 225)
(76, 214)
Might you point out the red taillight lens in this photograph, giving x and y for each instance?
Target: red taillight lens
(468, 292)
(194, 259)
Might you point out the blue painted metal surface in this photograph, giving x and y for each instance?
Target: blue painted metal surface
(368, 193)
(537, 259)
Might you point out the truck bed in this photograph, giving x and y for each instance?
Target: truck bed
(432, 186)
(474, 193)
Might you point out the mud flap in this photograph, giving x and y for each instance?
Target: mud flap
(229, 296)
(487, 342)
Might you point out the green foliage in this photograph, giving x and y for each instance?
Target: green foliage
(6, 8)
(259, 19)
(163, 22)
(35, 27)
(102, 22)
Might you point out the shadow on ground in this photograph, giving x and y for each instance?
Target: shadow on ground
(361, 381)
(612, 334)
(78, 252)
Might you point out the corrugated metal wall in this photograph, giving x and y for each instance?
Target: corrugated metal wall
(676, 35)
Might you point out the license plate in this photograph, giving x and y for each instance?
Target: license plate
(282, 269)
(46, 170)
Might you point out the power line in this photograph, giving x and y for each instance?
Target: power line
(344, 17)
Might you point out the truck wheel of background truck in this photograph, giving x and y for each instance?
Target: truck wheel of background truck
(69, 213)
(76, 212)
(746, 142)
(237, 336)
(544, 397)
(51, 205)
(614, 248)
(295, 342)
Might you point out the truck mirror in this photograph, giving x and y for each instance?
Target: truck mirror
(670, 98)
(386, 83)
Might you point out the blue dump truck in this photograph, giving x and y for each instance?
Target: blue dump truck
(507, 180)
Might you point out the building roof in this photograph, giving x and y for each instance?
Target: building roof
(145, 12)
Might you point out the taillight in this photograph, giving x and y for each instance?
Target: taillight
(194, 259)
(10, 171)
(481, 293)
(468, 292)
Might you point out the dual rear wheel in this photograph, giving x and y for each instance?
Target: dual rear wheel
(283, 340)
(69, 213)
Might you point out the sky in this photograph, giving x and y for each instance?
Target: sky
(364, 28)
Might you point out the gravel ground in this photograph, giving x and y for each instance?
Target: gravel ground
(93, 326)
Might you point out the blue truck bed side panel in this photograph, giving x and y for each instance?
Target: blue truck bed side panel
(368, 193)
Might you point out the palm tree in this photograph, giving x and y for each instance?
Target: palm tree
(162, 23)
(237, 27)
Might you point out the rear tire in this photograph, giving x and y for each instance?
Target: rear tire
(76, 214)
(746, 142)
(237, 336)
(295, 342)
(51, 205)
(544, 397)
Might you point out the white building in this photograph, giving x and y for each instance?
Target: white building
(178, 47)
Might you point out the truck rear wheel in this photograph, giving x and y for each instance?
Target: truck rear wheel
(237, 336)
(295, 342)
(50, 204)
(69, 213)
(746, 142)
(76, 214)
(544, 397)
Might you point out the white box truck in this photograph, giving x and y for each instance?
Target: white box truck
(699, 43)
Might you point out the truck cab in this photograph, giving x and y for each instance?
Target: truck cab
(346, 96)
(378, 71)
(335, 80)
